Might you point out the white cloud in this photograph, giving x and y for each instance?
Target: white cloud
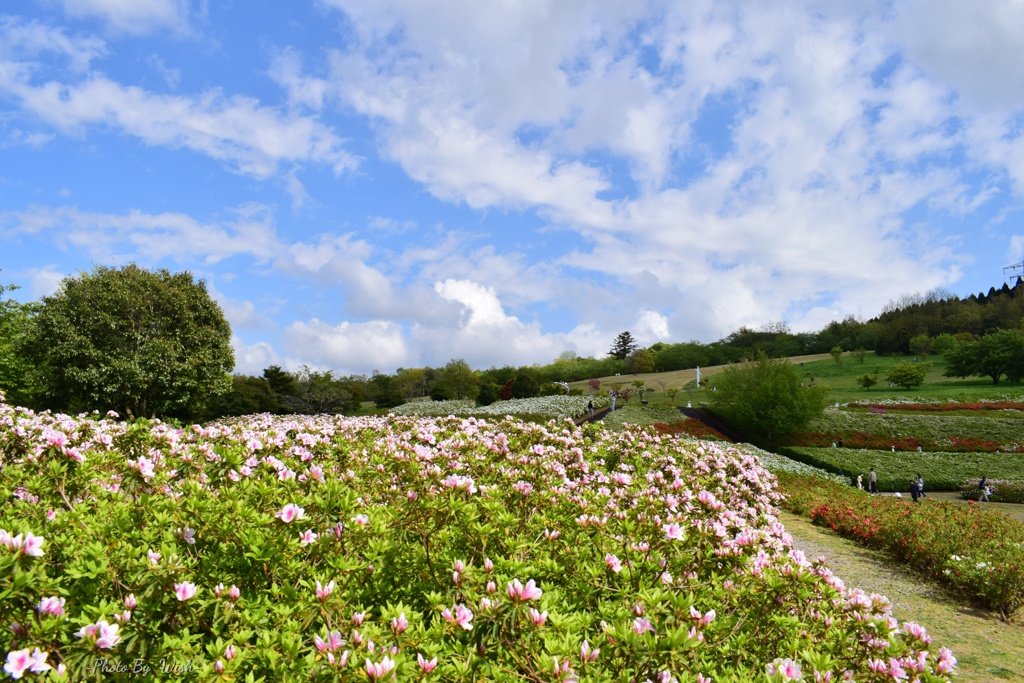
(251, 359)
(132, 16)
(23, 40)
(974, 47)
(151, 237)
(45, 281)
(652, 326)
(236, 129)
(349, 347)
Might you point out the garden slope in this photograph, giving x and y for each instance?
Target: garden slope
(322, 548)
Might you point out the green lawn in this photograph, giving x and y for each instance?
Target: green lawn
(842, 380)
(941, 471)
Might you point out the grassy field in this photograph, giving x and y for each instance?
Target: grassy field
(841, 379)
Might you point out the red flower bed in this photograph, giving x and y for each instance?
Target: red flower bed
(884, 442)
(967, 547)
(941, 407)
(692, 428)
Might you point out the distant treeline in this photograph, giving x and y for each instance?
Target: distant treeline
(898, 329)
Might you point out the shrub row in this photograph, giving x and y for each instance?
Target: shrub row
(942, 407)
(1002, 491)
(857, 439)
(930, 432)
(972, 550)
(941, 471)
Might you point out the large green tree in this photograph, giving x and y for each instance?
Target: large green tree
(140, 342)
(765, 399)
(16, 376)
(994, 355)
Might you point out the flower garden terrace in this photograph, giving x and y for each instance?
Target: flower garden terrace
(450, 549)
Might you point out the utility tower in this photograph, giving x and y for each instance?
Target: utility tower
(1015, 273)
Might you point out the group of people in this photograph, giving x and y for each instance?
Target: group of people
(872, 481)
(917, 486)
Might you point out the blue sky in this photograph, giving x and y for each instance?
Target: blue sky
(373, 184)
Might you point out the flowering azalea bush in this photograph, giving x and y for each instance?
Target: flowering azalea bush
(378, 549)
(977, 552)
(690, 427)
(540, 408)
(1015, 404)
(937, 432)
(870, 441)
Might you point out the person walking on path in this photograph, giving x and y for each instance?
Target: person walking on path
(860, 481)
(872, 481)
(983, 491)
(914, 492)
(920, 485)
(590, 408)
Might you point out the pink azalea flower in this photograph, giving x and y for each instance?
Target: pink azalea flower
(426, 666)
(538, 618)
(462, 616)
(947, 662)
(324, 592)
(673, 531)
(234, 594)
(20, 661)
(54, 606)
(488, 565)
(130, 602)
(185, 590)
(642, 625)
(307, 537)
(785, 669)
(291, 512)
(32, 545)
(378, 671)
(154, 557)
(361, 520)
(357, 618)
(218, 666)
(614, 563)
(586, 654)
(520, 593)
(103, 635)
(332, 644)
(399, 624)
(229, 652)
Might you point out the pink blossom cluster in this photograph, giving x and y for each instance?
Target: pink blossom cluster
(639, 514)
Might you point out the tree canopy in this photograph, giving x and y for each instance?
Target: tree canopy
(16, 379)
(623, 345)
(765, 399)
(994, 355)
(127, 339)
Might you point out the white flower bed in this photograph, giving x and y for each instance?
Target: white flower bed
(552, 407)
